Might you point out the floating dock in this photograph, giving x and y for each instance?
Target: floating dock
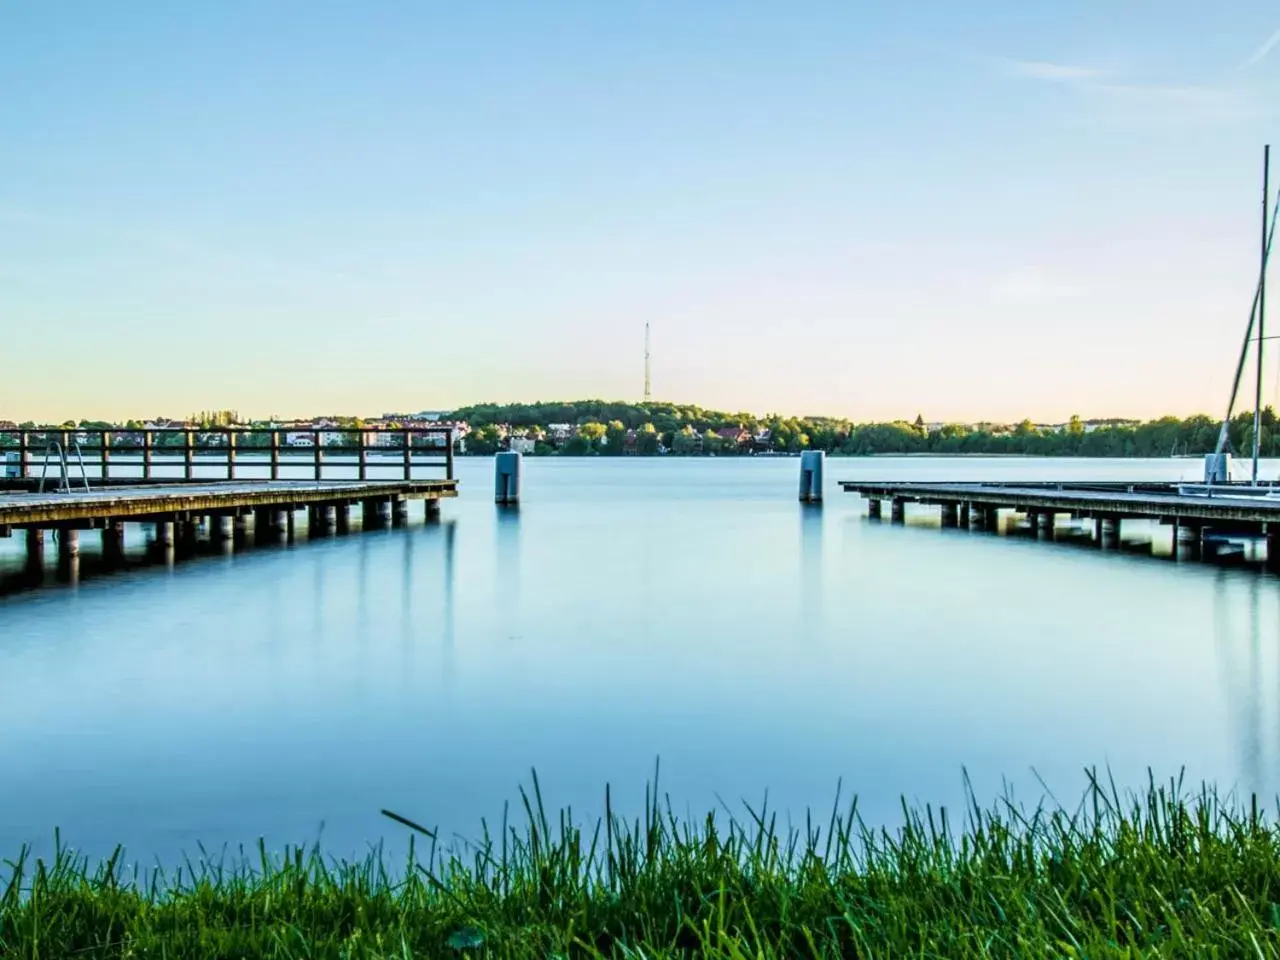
(1198, 513)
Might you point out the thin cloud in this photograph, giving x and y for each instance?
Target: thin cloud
(1053, 72)
(1261, 53)
(1032, 285)
(1122, 98)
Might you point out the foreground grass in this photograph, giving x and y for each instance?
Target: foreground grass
(1164, 873)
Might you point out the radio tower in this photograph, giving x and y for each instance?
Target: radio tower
(646, 361)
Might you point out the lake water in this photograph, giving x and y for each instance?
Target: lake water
(687, 610)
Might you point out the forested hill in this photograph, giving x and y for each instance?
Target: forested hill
(586, 426)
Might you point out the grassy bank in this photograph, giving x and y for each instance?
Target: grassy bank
(1165, 873)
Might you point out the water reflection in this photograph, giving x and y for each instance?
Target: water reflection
(507, 567)
(811, 568)
(1252, 698)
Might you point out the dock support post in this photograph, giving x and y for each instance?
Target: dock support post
(239, 527)
(68, 545)
(506, 478)
(991, 519)
(811, 462)
(113, 541)
(280, 522)
(433, 510)
(384, 512)
(1044, 525)
(342, 517)
(873, 508)
(897, 510)
(164, 533)
(35, 550)
(1187, 542)
(1273, 547)
(1107, 530)
(977, 516)
(965, 514)
(187, 530)
(400, 511)
(220, 528)
(950, 516)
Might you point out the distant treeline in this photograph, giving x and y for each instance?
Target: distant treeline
(610, 428)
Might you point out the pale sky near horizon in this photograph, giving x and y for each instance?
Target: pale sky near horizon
(985, 210)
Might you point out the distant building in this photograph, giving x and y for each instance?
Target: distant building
(522, 444)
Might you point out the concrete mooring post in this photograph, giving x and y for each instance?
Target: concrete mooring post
(811, 463)
(506, 478)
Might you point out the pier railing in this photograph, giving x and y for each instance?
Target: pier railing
(201, 454)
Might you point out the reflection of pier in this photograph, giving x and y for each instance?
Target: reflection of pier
(1202, 517)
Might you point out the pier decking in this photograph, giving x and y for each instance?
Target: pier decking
(89, 509)
(1195, 511)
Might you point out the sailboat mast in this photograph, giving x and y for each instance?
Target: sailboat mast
(1262, 307)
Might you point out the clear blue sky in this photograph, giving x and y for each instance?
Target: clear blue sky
(970, 210)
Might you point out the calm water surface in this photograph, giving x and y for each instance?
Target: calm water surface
(687, 610)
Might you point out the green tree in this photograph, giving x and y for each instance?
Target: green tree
(684, 441)
(647, 440)
(615, 439)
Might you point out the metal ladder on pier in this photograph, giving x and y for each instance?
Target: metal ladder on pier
(54, 448)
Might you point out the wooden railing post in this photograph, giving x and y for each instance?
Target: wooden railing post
(275, 454)
(408, 453)
(190, 447)
(146, 454)
(318, 455)
(24, 452)
(448, 453)
(231, 453)
(364, 455)
(105, 450)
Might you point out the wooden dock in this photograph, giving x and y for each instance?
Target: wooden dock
(177, 513)
(224, 485)
(1199, 514)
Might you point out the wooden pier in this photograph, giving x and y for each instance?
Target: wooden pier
(160, 485)
(1200, 515)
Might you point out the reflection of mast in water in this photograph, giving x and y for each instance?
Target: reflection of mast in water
(1243, 687)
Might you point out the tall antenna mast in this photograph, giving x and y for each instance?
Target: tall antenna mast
(646, 361)
(1262, 306)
